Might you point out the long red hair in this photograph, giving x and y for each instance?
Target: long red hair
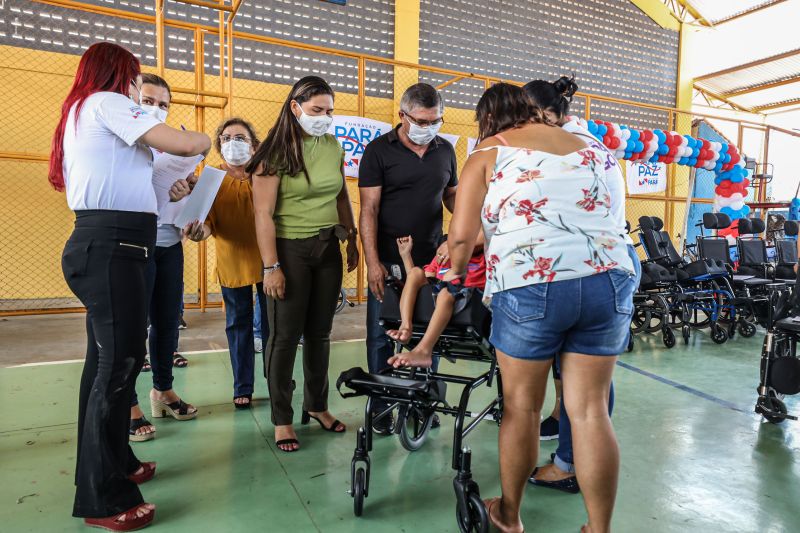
(103, 67)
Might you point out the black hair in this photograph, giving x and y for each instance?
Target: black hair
(555, 97)
(504, 106)
(282, 150)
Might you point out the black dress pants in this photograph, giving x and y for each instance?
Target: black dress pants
(104, 264)
(313, 270)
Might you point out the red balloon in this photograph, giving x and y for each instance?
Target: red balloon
(615, 142)
(735, 159)
(706, 144)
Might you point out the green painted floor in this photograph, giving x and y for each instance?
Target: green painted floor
(689, 462)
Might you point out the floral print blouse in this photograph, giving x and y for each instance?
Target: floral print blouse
(547, 218)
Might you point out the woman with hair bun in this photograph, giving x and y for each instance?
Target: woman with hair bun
(554, 100)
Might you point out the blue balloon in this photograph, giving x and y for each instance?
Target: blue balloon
(795, 202)
(660, 136)
(663, 149)
(695, 152)
(724, 148)
(591, 126)
(635, 135)
(602, 129)
(630, 145)
(692, 161)
(654, 159)
(639, 146)
(628, 155)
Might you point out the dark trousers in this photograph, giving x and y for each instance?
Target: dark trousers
(313, 270)
(104, 264)
(239, 330)
(165, 279)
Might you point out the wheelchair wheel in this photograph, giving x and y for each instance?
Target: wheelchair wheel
(414, 426)
(359, 486)
(668, 337)
(476, 519)
(685, 332)
(340, 303)
(773, 404)
(747, 329)
(718, 334)
(641, 320)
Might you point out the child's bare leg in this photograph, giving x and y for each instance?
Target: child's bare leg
(422, 355)
(415, 280)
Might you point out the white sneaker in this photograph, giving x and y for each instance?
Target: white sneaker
(259, 344)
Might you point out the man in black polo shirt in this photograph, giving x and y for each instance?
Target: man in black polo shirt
(404, 178)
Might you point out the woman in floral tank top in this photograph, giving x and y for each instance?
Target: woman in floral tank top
(559, 281)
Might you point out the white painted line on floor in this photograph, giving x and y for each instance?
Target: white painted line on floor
(195, 352)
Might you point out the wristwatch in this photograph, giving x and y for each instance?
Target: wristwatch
(271, 269)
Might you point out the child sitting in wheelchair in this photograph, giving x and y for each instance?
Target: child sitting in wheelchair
(447, 297)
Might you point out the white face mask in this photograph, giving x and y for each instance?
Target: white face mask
(422, 136)
(236, 153)
(160, 114)
(316, 125)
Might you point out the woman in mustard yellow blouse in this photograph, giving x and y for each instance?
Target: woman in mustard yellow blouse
(232, 223)
(302, 210)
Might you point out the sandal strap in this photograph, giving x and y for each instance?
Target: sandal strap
(138, 423)
(180, 407)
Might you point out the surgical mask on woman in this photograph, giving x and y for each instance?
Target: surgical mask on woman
(314, 125)
(236, 153)
(160, 114)
(422, 135)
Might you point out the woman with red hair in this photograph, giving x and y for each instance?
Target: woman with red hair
(100, 157)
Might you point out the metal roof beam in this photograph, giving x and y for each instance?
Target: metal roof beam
(777, 105)
(756, 63)
(748, 12)
(765, 86)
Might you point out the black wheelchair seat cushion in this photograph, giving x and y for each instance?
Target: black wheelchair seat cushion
(363, 383)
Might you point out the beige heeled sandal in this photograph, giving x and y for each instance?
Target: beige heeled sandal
(179, 410)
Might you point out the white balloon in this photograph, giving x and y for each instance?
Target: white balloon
(625, 134)
(736, 205)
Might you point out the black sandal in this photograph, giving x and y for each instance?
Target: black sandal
(243, 405)
(146, 367)
(306, 418)
(137, 424)
(284, 442)
(179, 360)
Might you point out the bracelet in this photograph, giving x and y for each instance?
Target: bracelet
(271, 269)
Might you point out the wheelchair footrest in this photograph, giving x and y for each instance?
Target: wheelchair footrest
(365, 384)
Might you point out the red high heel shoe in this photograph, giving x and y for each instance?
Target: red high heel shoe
(147, 473)
(127, 521)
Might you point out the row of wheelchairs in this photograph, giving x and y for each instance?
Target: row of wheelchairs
(703, 288)
(675, 293)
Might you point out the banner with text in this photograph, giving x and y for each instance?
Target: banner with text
(646, 178)
(354, 134)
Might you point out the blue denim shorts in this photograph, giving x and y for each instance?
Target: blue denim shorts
(589, 315)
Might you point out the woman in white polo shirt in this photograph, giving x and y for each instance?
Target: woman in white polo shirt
(100, 156)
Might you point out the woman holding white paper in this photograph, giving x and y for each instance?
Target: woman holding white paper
(100, 157)
(232, 223)
(164, 275)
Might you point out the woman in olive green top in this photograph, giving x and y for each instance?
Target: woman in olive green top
(302, 210)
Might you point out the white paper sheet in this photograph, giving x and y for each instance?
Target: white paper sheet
(167, 169)
(170, 211)
(198, 204)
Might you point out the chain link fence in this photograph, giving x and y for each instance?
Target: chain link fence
(40, 46)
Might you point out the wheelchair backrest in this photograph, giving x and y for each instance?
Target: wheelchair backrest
(716, 248)
(656, 243)
(752, 249)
